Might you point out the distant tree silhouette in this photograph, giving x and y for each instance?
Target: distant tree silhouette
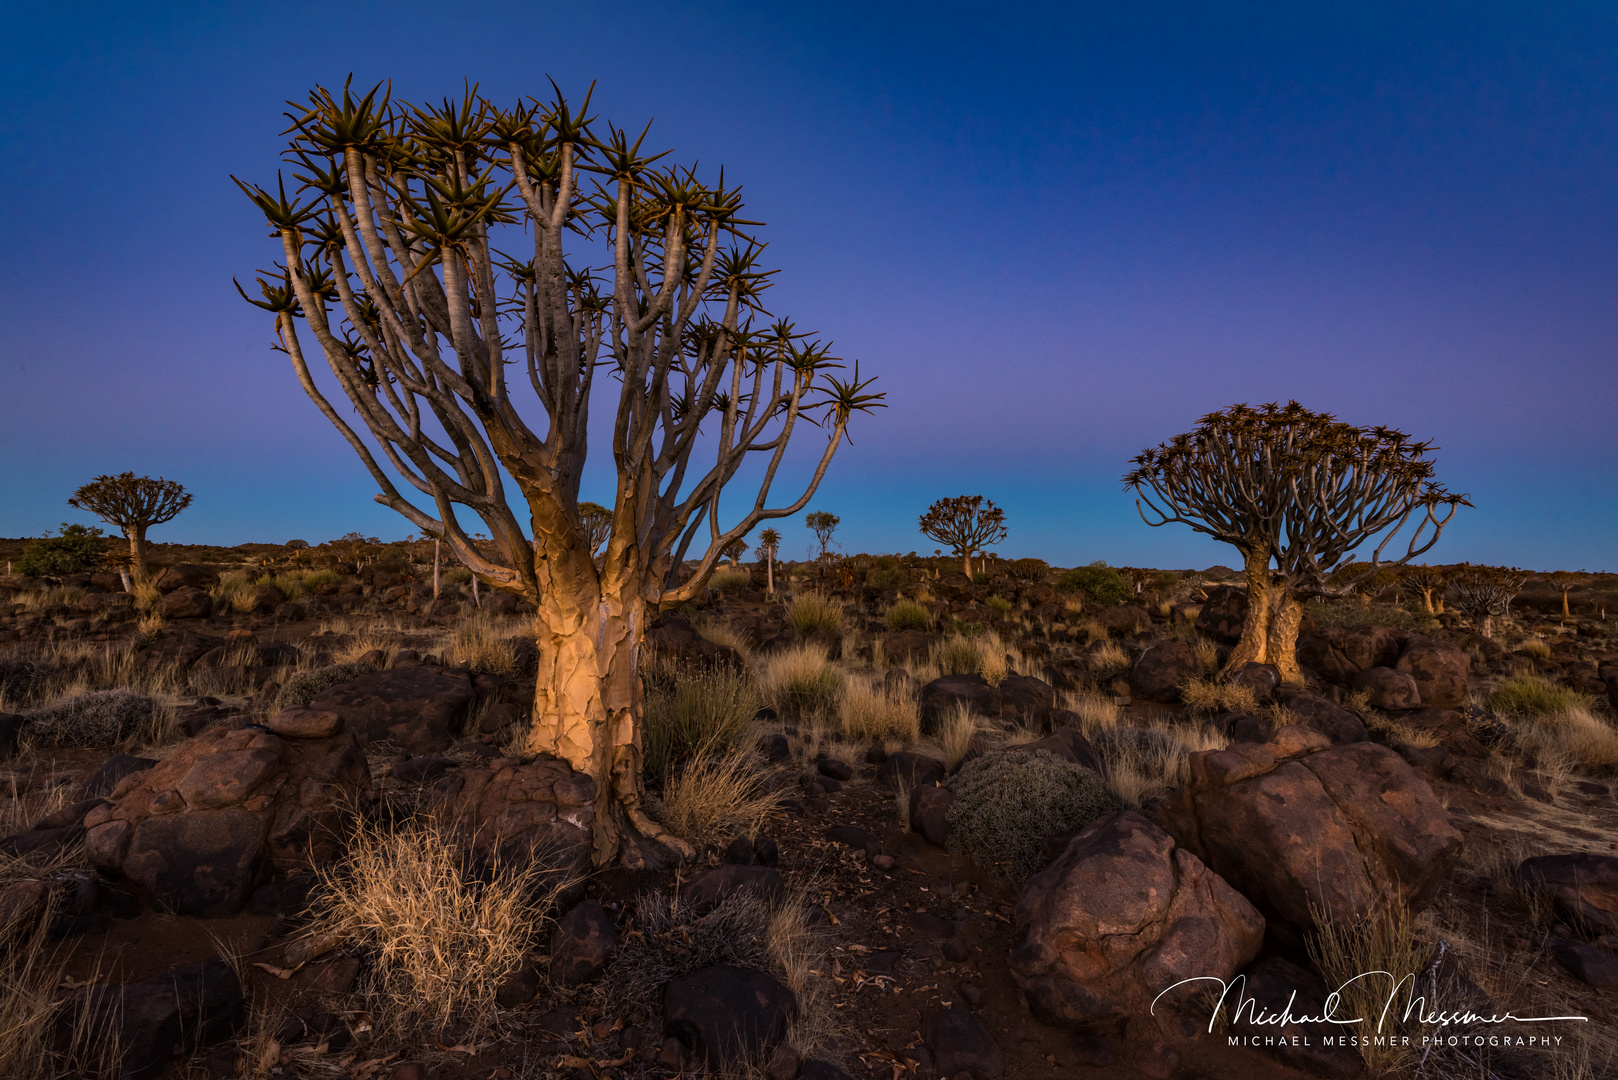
(1299, 490)
(823, 523)
(597, 522)
(466, 362)
(967, 523)
(734, 551)
(1427, 581)
(134, 504)
(1564, 582)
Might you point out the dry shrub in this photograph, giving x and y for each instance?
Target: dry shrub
(1535, 647)
(1006, 802)
(440, 937)
(483, 643)
(1206, 653)
(812, 610)
(96, 718)
(872, 713)
(303, 687)
(147, 598)
(229, 588)
(956, 655)
(801, 681)
(1207, 697)
(715, 796)
(1365, 959)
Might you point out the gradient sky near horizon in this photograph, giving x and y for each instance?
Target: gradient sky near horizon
(1059, 233)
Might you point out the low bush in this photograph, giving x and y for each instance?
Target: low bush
(1028, 569)
(674, 939)
(302, 688)
(98, 718)
(983, 654)
(886, 574)
(483, 643)
(998, 603)
(690, 711)
(801, 681)
(22, 679)
(1006, 802)
(811, 611)
(1101, 585)
(440, 938)
(908, 615)
(77, 549)
(456, 575)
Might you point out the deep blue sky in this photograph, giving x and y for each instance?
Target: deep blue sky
(1059, 234)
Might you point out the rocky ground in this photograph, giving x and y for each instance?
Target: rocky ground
(167, 859)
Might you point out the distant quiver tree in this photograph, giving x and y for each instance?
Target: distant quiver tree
(769, 542)
(1298, 493)
(465, 363)
(966, 523)
(134, 504)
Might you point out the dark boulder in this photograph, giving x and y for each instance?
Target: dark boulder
(419, 708)
(1162, 669)
(960, 1043)
(582, 942)
(185, 576)
(712, 887)
(727, 1015)
(909, 769)
(154, 1020)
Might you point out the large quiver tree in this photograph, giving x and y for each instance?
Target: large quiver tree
(966, 523)
(134, 504)
(466, 366)
(1299, 494)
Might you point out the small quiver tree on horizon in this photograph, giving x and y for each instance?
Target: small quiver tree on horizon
(966, 523)
(823, 523)
(134, 504)
(1429, 582)
(1564, 582)
(466, 366)
(769, 542)
(1298, 493)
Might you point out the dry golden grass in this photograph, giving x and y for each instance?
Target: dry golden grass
(1207, 697)
(956, 730)
(151, 624)
(1110, 660)
(147, 598)
(690, 712)
(797, 950)
(1096, 713)
(1138, 771)
(873, 713)
(51, 596)
(721, 633)
(1365, 959)
(1535, 647)
(361, 642)
(730, 579)
(714, 797)
(41, 1037)
(439, 938)
(483, 643)
(908, 615)
(801, 682)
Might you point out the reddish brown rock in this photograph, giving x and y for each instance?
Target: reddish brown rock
(418, 708)
(516, 811)
(1439, 670)
(1122, 915)
(1387, 688)
(1295, 827)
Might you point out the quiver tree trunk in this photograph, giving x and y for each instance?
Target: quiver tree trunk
(1270, 630)
(137, 550)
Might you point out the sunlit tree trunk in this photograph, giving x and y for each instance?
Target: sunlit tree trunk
(137, 550)
(1254, 646)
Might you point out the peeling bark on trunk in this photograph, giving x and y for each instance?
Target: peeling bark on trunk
(1270, 631)
(587, 710)
(137, 550)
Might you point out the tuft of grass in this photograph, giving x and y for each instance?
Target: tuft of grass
(690, 711)
(482, 642)
(1208, 696)
(908, 615)
(874, 713)
(1142, 763)
(715, 796)
(1365, 960)
(51, 596)
(811, 610)
(456, 575)
(1536, 647)
(151, 624)
(1110, 660)
(956, 731)
(147, 598)
(1577, 737)
(998, 603)
(1525, 696)
(730, 579)
(984, 654)
(802, 682)
(1096, 713)
(440, 938)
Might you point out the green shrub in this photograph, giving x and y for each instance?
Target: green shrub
(886, 574)
(980, 577)
(908, 615)
(811, 611)
(998, 603)
(98, 718)
(1101, 584)
(302, 689)
(1028, 569)
(321, 581)
(957, 655)
(703, 709)
(456, 575)
(1530, 695)
(730, 579)
(75, 551)
(1006, 802)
